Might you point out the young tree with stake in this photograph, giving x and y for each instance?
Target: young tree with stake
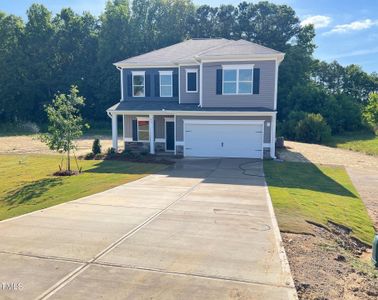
(65, 123)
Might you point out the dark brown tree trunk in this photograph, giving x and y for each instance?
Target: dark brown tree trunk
(68, 161)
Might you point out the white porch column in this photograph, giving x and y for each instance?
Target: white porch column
(273, 137)
(152, 134)
(114, 132)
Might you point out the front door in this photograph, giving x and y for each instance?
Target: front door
(169, 135)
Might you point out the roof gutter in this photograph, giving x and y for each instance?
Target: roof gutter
(192, 113)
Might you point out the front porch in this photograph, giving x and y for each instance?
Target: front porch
(152, 134)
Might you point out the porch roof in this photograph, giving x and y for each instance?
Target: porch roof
(170, 105)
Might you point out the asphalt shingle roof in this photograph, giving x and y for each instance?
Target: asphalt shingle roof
(170, 105)
(190, 50)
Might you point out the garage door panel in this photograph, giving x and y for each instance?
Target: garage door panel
(223, 140)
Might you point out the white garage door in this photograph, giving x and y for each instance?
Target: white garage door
(223, 138)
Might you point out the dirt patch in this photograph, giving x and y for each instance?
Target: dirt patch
(319, 154)
(28, 144)
(330, 265)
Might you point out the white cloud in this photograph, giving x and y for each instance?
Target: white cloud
(353, 26)
(318, 21)
(353, 53)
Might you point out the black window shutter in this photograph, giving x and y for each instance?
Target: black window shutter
(129, 85)
(219, 81)
(148, 85)
(157, 85)
(256, 81)
(135, 130)
(175, 85)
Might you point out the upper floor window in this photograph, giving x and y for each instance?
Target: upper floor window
(166, 83)
(191, 80)
(138, 83)
(237, 80)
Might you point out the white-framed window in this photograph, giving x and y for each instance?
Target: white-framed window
(191, 80)
(143, 129)
(138, 83)
(237, 80)
(166, 83)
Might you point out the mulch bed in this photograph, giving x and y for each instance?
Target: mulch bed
(66, 173)
(133, 157)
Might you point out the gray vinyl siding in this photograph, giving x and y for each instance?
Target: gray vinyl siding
(159, 127)
(264, 99)
(152, 72)
(184, 96)
(128, 126)
(180, 124)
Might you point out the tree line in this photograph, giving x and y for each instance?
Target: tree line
(45, 54)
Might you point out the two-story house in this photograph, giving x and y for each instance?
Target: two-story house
(201, 97)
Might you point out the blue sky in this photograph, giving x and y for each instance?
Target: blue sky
(346, 30)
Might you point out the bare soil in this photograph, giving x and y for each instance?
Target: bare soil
(329, 265)
(319, 154)
(27, 144)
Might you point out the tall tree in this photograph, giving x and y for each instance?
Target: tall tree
(268, 24)
(370, 113)
(75, 48)
(11, 68)
(203, 22)
(113, 45)
(38, 54)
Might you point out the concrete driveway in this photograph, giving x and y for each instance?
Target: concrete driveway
(204, 229)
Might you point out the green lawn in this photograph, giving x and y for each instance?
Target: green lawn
(302, 191)
(26, 183)
(364, 142)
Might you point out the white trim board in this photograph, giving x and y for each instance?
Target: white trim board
(275, 84)
(194, 113)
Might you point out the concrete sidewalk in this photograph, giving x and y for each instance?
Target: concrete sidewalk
(205, 229)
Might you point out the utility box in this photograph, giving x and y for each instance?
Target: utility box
(375, 251)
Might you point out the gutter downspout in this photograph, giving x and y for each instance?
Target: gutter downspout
(200, 81)
(121, 70)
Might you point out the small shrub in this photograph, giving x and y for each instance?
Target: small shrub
(312, 129)
(144, 153)
(110, 151)
(96, 147)
(287, 128)
(98, 156)
(89, 156)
